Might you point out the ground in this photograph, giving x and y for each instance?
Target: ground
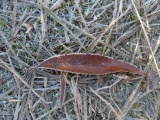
(32, 31)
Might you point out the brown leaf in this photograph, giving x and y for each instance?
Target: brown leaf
(89, 64)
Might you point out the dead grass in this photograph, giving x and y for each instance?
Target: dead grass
(32, 31)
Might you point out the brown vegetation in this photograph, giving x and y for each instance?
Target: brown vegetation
(34, 30)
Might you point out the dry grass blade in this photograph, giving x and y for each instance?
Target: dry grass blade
(107, 87)
(79, 29)
(14, 13)
(77, 97)
(20, 78)
(32, 31)
(85, 106)
(17, 107)
(98, 39)
(146, 37)
(77, 40)
(10, 40)
(125, 36)
(135, 51)
(63, 87)
(154, 52)
(131, 97)
(157, 114)
(107, 103)
(53, 109)
(57, 4)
